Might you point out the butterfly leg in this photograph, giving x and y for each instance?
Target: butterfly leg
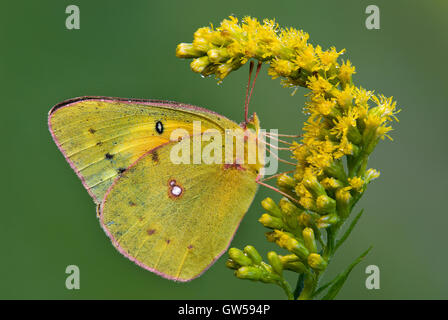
(262, 183)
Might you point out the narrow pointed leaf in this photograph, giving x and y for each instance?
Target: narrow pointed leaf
(325, 286)
(349, 230)
(299, 286)
(339, 281)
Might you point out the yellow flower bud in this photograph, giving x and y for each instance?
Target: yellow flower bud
(343, 199)
(312, 184)
(325, 204)
(305, 220)
(218, 55)
(288, 207)
(371, 174)
(316, 262)
(289, 258)
(186, 50)
(331, 183)
(309, 239)
(285, 181)
(275, 262)
(356, 183)
(293, 245)
(269, 205)
(199, 64)
(271, 222)
(239, 257)
(292, 262)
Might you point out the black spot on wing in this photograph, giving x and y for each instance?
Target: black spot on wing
(155, 156)
(159, 127)
(108, 156)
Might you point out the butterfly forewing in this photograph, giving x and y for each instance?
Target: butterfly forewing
(101, 137)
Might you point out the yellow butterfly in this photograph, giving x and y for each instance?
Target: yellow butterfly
(173, 219)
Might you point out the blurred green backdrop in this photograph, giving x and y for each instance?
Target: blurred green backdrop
(126, 49)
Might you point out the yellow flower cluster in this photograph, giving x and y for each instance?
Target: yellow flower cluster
(341, 122)
(341, 126)
(344, 126)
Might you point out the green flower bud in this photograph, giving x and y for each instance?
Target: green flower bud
(239, 257)
(343, 200)
(328, 220)
(313, 185)
(355, 150)
(268, 275)
(275, 262)
(325, 204)
(371, 174)
(316, 262)
(292, 262)
(293, 245)
(269, 205)
(353, 135)
(186, 50)
(290, 213)
(309, 239)
(336, 170)
(271, 222)
(289, 258)
(232, 264)
(250, 273)
(297, 266)
(253, 254)
(306, 220)
(224, 69)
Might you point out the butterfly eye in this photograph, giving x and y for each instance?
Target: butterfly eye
(159, 127)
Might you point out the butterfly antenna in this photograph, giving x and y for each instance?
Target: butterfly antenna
(279, 159)
(284, 135)
(246, 102)
(248, 97)
(277, 139)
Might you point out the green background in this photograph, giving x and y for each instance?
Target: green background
(126, 49)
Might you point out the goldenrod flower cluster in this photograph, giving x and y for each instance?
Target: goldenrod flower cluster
(344, 125)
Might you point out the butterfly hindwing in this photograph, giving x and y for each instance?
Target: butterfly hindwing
(101, 137)
(176, 219)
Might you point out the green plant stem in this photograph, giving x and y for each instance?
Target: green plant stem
(287, 288)
(309, 285)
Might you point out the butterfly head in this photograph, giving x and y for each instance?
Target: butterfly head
(254, 141)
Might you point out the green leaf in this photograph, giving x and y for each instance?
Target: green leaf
(322, 288)
(349, 230)
(299, 286)
(339, 281)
